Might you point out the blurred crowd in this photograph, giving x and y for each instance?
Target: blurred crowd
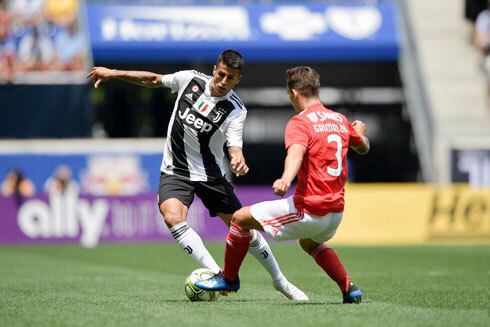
(17, 184)
(40, 35)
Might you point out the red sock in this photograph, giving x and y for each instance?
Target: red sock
(237, 243)
(326, 258)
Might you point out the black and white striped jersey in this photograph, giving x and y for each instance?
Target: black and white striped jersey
(199, 126)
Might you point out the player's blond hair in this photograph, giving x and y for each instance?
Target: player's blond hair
(304, 79)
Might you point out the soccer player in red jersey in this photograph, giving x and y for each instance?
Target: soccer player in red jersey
(317, 140)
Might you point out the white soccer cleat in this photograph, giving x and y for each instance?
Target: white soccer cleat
(290, 291)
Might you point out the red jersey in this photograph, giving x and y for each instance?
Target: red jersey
(327, 136)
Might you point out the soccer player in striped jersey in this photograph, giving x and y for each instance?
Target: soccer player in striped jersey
(317, 140)
(207, 114)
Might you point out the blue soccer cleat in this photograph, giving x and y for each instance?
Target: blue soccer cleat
(353, 294)
(219, 283)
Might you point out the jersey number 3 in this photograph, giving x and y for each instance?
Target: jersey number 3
(338, 155)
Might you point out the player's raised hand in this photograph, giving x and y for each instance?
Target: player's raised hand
(281, 186)
(99, 75)
(360, 127)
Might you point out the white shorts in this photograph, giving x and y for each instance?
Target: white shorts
(282, 221)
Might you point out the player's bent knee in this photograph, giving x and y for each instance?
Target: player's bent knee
(307, 244)
(173, 212)
(240, 216)
(244, 219)
(172, 219)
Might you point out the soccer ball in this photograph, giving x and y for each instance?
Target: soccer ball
(193, 292)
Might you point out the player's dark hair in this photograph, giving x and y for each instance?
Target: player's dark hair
(231, 58)
(304, 79)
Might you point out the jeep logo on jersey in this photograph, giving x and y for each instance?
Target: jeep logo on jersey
(197, 123)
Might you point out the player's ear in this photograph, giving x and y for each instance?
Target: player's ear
(295, 93)
(239, 78)
(214, 69)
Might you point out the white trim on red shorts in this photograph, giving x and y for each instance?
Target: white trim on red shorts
(284, 220)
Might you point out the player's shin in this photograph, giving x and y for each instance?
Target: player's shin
(261, 250)
(192, 244)
(326, 258)
(237, 244)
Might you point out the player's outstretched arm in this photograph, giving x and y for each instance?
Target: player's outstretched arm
(292, 164)
(102, 74)
(360, 128)
(237, 161)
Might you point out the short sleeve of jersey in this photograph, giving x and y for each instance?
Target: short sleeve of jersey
(354, 138)
(297, 132)
(234, 130)
(174, 81)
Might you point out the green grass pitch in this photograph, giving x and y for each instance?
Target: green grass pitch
(142, 285)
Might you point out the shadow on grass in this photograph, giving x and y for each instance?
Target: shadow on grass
(171, 301)
(234, 301)
(319, 303)
(309, 303)
(208, 302)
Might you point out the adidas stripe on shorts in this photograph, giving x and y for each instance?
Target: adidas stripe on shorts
(282, 221)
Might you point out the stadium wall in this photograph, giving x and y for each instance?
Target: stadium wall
(45, 111)
(110, 196)
(414, 213)
(375, 214)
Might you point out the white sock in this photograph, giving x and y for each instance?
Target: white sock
(260, 249)
(192, 244)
